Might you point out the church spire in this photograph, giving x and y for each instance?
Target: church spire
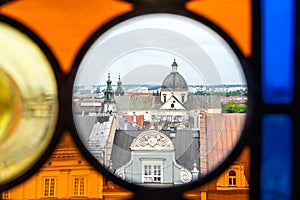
(174, 66)
(108, 79)
(119, 91)
(109, 92)
(119, 79)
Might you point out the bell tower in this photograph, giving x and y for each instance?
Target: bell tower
(109, 104)
(109, 92)
(119, 91)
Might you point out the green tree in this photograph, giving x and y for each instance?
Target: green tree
(233, 107)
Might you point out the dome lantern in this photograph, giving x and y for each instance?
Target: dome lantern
(174, 66)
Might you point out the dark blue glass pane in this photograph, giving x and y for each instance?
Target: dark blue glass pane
(276, 161)
(277, 50)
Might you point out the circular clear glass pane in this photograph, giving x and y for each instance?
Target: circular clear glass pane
(152, 97)
(28, 103)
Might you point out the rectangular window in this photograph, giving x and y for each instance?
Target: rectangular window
(157, 173)
(147, 173)
(232, 181)
(49, 187)
(152, 172)
(79, 186)
(4, 195)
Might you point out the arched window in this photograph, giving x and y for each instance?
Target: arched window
(232, 178)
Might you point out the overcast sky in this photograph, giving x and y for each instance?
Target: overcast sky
(143, 48)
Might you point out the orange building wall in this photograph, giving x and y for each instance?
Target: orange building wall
(65, 162)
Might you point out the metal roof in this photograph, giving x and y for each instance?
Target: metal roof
(154, 102)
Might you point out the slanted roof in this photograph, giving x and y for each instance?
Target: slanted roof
(194, 102)
(101, 131)
(203, 102)
(223, 133)
(84, 125)
(137, 102)
(186, 147)
(121, 147)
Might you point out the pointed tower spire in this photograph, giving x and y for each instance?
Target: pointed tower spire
(108, 78)
(119, 79)
(119, 91)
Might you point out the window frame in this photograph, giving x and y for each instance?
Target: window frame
(5, 194)
(78, 191)
(152, 164)
(48, 188)
(232, 179)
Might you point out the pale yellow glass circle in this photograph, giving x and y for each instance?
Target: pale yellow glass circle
(28, 103)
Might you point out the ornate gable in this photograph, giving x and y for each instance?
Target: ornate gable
(233, 178)
(152, 140)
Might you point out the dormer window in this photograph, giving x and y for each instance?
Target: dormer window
(233, 179)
